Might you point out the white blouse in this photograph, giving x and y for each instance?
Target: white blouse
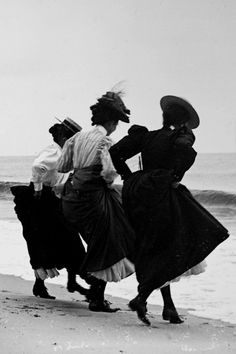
(44, 169)
(86, 149)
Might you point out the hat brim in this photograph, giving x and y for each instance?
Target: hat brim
(194, 120)
(123, 117)
(70, 124)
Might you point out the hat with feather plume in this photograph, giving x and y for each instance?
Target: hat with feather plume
(113, 101)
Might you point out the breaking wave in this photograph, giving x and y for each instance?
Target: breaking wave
(207, 197)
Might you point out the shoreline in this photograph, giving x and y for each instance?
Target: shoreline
(202, 295)
(33, 325)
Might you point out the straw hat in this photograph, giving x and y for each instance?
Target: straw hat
(167, 101)
(70, 124)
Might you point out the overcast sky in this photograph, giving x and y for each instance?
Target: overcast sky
(58, 56)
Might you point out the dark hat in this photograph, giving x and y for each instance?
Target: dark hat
(113, 101)
(168, 101)
(70, 124)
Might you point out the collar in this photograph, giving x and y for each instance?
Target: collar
(57, 146)
(101, 129)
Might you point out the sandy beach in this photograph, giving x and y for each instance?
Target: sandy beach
(58, 60)
(33, 325)
(30, 325)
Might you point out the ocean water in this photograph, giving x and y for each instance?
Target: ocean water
(15, 168)
(212, 180)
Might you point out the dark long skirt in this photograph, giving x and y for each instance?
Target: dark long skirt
(96, 212)
(174, 232)
(50, 240)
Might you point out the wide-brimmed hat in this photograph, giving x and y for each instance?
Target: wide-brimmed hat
(113, 100)
(70, 124)
(167, 101)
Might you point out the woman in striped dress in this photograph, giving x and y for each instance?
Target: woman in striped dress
(93, 206)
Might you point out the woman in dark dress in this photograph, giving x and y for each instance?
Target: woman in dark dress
(174, 233)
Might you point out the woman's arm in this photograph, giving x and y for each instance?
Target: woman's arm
(65, 163)
(184, 157)
(126, 148)
(45, 162)
(108, 170)
(182, 151)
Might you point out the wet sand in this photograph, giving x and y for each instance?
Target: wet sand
(65, 325)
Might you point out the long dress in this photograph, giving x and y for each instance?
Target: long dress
(174, 233)
(93, 206)
(51, 242)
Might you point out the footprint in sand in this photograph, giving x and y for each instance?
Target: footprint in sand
(26, 307)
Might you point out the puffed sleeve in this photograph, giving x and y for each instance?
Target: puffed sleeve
(46, 161)
(108, 171)
(126, 148)
(183, 153)
(184, 157)
(65, 163)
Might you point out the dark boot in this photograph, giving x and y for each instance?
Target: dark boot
(102, 306)
(169, 312)
(140, 306)
(39, 289)
(97, 302)
(73, 286)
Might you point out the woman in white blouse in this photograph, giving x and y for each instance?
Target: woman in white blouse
(92, 206)
(52, 244)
